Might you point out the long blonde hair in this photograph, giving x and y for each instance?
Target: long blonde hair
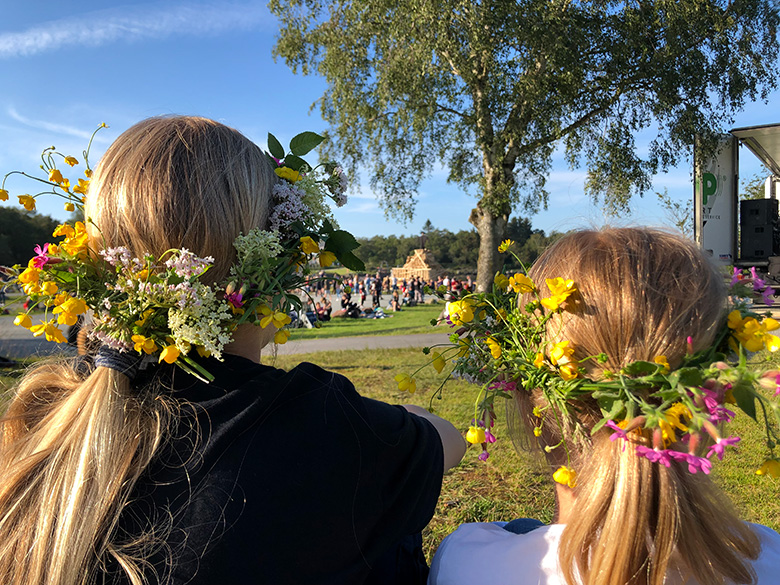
(643, 292)
(73, 445)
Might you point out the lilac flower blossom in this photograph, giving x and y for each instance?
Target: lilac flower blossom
(720, 446)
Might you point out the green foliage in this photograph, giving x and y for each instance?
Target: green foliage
(491, 88)
(454, 251)
(20, 232)
(752, 187)
(680, 215)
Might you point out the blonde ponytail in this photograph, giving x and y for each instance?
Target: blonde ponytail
(71, 452)
(637, 522)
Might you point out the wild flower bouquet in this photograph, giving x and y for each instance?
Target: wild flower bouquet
(159, 306)
(502, 342)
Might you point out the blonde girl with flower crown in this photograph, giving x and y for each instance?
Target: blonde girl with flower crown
(127, 469)
(623, 519)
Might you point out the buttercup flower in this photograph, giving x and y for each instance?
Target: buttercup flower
(661, 361)
(71, 160)
(406, 382)
(326, 258)
(495, 348)
(560, 290)
(288, 174)
(145, 344)
(561, 353)
(505, 245)
(309, 246)
(281, 336)
(27, 201)
(50, 330)
(169, 354)
(55, 176)
(539, 360)
(520, 283)
(770, 467)
(438, 362)
(278, 318)
(69, 206)
(475, 435)
(501, 281)
(3, 195)
(461, 312)
(565, 476)
(23, 320)
(82, 187)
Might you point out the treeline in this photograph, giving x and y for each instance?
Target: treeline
(455, 251)
(20, 232)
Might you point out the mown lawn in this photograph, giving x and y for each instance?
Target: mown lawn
(409, 320)
(513, 483)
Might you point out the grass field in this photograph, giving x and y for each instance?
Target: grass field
(514, 484)
(410, 320)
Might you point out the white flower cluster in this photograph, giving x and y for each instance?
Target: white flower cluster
(258, 245)
(186, 264)
(201, 322)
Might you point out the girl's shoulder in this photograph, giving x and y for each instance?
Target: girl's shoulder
(479, 550)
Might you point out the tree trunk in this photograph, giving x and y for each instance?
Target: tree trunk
(491, 229)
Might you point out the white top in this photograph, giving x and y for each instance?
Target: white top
(486, 553)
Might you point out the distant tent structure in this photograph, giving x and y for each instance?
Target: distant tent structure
(420, 263)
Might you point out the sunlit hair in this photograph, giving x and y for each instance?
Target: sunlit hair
(73, 446)
(180, 182)
(642, 293)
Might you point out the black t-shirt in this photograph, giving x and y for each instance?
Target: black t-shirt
(296, 478)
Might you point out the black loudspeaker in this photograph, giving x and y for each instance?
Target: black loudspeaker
(758, 212)
(759, 230)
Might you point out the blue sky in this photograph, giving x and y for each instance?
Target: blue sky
(66, 67)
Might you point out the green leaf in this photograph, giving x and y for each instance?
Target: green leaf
(275, 147)
(296, 163)
(640, 368)
(745, 398)
(349, 260)
(305, 142)
(686, 377)
(341, 241)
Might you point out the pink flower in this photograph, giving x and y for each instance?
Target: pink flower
(720, 446)
(618, 434)
(483, 456)
(768, 295)
(490, 437)
(736, 276)
(42, 257)
(236, 299)
(695, 463)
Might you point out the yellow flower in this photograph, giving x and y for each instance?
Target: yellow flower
(202, 351)
(3, 195)
(326, 258)
(55, 176)
(438, 362)
(537, 412)
(76, 243)
(27, 201)
(71, 160)
(565, 476)
(504, 246)
(143, 343)
(537, 431)
(82, 187)
(281, 336)
(69, 206)
(146, 314)
(501, 281)
(406, 382)
(520, 283)
(569, 371)
(64, 230)
(662, 361)
(671, 420)
(49, 288)
(561, 353)
(29, 276)
(461, 312)
(770, 467)
(475, 435)
(69, 310)
(288, 174)
(65, 185)
(88, 173)
(278, 318)
(560, 290)
(309, 246)
(463, 343)
(539, 360)
(495, 348)
(772, 342)
(23, 320)
(49, 329)
(169, 354)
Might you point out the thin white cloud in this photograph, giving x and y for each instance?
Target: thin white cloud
(147, 21)
(48, 126)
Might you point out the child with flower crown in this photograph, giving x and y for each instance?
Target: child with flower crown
(629, 322)
(174, 456)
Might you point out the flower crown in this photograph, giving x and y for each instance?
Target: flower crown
(158, 306)
(505, 348)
